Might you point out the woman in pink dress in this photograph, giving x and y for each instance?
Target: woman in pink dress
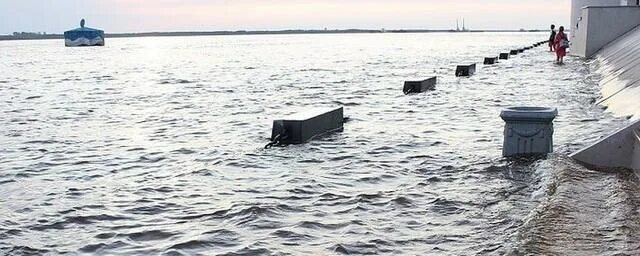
(561, 45)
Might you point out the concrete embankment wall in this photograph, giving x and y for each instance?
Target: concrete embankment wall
(599, 25)
(576, 13)
(619, 65)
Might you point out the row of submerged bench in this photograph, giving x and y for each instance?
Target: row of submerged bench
(303, 127)
(463, 70)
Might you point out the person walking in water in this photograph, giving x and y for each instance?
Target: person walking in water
(552, 38)
(561, 43)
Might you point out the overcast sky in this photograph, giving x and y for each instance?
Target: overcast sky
(55, 16)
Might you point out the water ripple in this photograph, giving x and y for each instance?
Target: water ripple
(161, 154)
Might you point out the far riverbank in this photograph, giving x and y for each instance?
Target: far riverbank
(34, 36)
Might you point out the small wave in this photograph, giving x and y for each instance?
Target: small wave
(402, 201)
(249, 252)
(176, 81)
(356, 249)
(149, 159)
(382, 150)
(89, 219)
(149, 210)
(7, 181)
(367, 197)
(90, 248)
(253, 210)
(316, 161)
(371, 180)
(290, 235)
(421, 157)
(77, 220)
(151, 235)
(317, 225)
(104, 78)
(44, 142)
(315, 70)
(83, 162)
(247, 165)
(163, 189)
(332, 197)
(346, 104)
(24, 250)
(8, 233)
(446, 207)
(221, 238)
(219, 214)
(341, 158)
(183, 151)
(99, 247)
(196, 244)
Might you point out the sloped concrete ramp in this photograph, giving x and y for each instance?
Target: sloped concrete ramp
(619, 65)
(619, 150)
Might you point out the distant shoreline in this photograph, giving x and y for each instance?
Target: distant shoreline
(242, 32)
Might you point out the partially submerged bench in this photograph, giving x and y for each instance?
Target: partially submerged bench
(302, 127)
(490, 60)
(420, 86)
(466, 70)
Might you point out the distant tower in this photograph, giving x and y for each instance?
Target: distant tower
(464, 27)
(457, 25)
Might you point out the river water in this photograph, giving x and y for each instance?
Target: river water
(153, 146)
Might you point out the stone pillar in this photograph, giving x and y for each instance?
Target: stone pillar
(528, 131)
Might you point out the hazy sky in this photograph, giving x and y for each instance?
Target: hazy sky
(55, 16)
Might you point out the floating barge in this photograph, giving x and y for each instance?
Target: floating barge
(83, 36)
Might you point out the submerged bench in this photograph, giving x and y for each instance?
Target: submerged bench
(302, 127)
(466, 70)
(420, 86)
(490, 60)
(504, 56)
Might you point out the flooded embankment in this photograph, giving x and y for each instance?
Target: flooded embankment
(155, 146)
(589, 212)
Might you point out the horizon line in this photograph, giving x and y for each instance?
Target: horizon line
(24, 35)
